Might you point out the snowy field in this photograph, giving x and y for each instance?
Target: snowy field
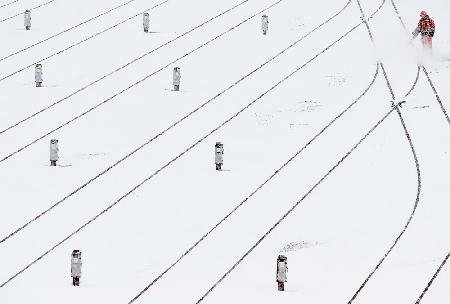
(337, 152)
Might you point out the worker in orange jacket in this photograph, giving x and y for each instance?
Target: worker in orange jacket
(426, 29)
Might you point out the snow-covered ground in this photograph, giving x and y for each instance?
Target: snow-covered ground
(372, 209)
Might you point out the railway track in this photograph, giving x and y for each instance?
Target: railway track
(70, 47)
(67, 30)
(131, 191)
(433, 87)
(173, 125)
(31, 9)
(416, 163)
(433, 278)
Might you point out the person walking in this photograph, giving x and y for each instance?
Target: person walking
(426, 29)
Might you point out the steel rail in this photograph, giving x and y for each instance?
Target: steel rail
(161, 133)
(129, 86)
(275, 173)
(67, 30)
(80, 42)
(8, 4)
(433, 278)
(31, 9)
(433, 87)
(120, 68)
(285, 215)
(173, 160)
(416, 163)
(244, 201)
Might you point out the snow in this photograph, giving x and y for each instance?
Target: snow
(336, 235)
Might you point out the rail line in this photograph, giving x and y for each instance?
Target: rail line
(8, 4)
(266, 181)
(68, 29)
(433, 87)
(31, 9)
(179, 156)
(416, 162)
(80, 42)
(135, 83)
(53, 206)
(395, 107)
(433, 278)
(119, 69)
(300, 201)
(444, 111)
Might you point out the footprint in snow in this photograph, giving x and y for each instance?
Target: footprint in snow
(295, 246)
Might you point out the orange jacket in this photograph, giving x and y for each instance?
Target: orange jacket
(426, 26)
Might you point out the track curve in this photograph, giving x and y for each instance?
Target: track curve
(416, 163)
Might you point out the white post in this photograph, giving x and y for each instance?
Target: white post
(176, 78)
(265, 24)
(54, 151)
(219, 155)
(146, 21)
(281, 272)
(38, 75)
(75, 267)
(27, 19)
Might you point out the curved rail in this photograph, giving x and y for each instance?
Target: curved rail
(413, 212)
(300, 201)
(416, 163)
(395, 107)
(309, 191)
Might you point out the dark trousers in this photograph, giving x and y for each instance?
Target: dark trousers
(281, 286)
(218, 166)
(76, 281)
(53, 163)
(176, 87)
(28, 28)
